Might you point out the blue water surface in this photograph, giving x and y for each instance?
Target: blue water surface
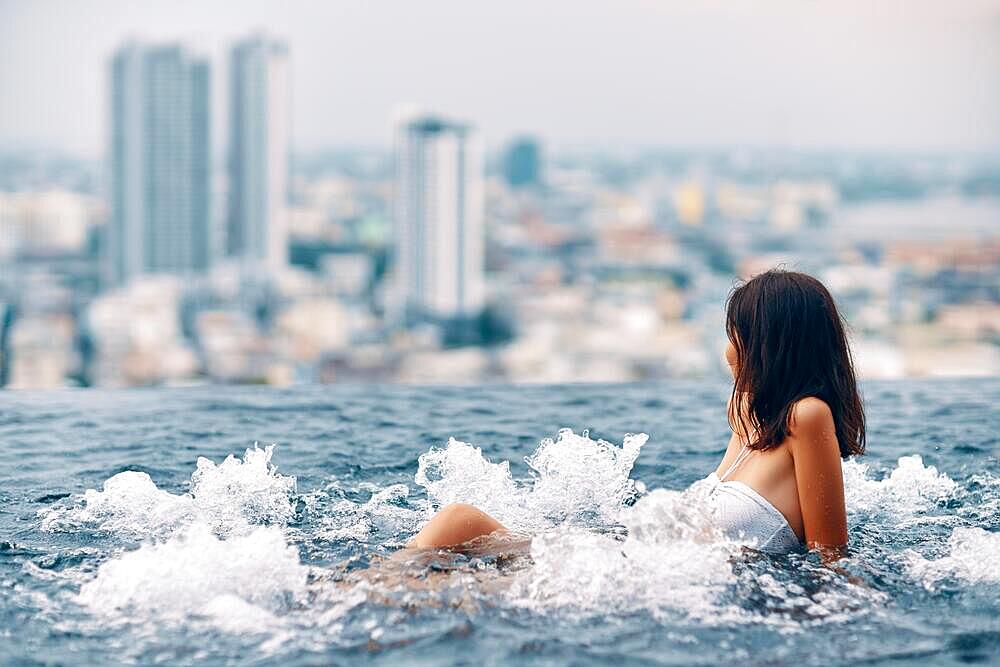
(237, 562)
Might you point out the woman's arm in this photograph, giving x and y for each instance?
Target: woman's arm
(818, 477)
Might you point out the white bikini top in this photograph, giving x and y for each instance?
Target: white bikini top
(745, 515)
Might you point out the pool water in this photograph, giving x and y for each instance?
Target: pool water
(145, 526)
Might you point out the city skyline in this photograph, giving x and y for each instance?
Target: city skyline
(435, 256)
(625, 75)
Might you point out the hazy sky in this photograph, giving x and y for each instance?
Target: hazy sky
(908, 74)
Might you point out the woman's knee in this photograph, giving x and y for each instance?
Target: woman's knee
(460, 512)
(456, 524)
(466, 518)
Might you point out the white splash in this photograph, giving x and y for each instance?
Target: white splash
(909, 489)
(575, 475)
(383, 516)
(672, 559)
(250, 490)
(237, 583)
(230, 497)
(129, 505)
(573, 479)
(973, 557)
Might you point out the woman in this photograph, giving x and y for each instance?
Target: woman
(794, 412)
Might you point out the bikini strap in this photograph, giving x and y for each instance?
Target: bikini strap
(740, 458)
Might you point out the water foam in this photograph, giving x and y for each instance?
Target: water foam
(250, 490)
(910, 488)
(129, 504)
(383, 517)
(230, 497)
(573, 479)
(207, 555)
(674, 561)
(673, 558)
(980, 500)
(238, 584)
(972, 558)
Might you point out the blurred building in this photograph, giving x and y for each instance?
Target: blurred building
(135, 335)
(689, 200)
(51, 222)
(522, 163)
(232, 347)
(260, 96)
(160, 162)
(439, 220)
(41, 351)
(348, 275)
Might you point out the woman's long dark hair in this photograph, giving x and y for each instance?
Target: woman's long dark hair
(790, 344)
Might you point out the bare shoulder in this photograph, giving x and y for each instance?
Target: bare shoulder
(811, 419)
(811, 412)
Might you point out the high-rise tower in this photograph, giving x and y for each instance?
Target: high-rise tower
(160, 162)
(439, 219)
(259, 103)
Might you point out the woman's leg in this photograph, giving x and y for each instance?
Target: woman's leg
(454, 525)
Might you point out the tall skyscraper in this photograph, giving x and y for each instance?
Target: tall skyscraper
(160, 162)
(439, 219)
(522, 163)
(259, 104)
